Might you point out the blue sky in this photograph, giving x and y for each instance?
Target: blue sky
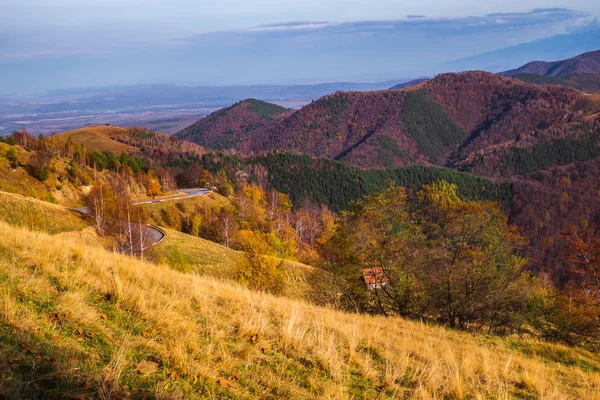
(71, 43)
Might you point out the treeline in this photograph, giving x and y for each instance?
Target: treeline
(84, 166)
(337, 184)
(156, 144)
(522, 161)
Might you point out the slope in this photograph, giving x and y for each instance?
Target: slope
(38, 215)
(373, 129)
(224, 128)
(188, 253)
(587, 63)
(98, 138)
(589, 83)
(78, 321)
(581, 72)
(442, 121)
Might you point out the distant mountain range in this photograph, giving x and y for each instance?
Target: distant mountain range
(588, 63)
(465, 121)
(581, 72)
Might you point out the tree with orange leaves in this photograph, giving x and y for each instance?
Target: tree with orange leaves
(584, 254)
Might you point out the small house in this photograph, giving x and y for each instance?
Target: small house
(375, 278)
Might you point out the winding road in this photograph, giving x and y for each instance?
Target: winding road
(153, 235)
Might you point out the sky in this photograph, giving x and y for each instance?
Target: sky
(52, 44)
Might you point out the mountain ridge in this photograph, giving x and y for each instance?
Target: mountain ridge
(223, 129)
(441, 121)
(588, 63)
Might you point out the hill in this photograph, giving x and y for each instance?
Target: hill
(408, 84)
(581, 72)
(79, 321)
(98, 138)
(224, 129)
(38, 215)
(587, 63)
(443, 121)
(589, 83)
(130, 140)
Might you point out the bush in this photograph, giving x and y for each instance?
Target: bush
(11, 156)
(177, 260)
(255, 268)
(40, 166)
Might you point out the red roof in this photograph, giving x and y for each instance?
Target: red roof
(374, 276)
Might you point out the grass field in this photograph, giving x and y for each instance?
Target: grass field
(38, 215)
(78, 321)
(203, 257)
(97, 138)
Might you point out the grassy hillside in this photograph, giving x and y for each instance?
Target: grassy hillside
(78, 321)
(193, 254)
(38, 215)
(98, 138)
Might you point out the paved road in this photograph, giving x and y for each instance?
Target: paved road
(154, 235)
(188, 193)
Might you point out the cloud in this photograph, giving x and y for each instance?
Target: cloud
(297, 51)
(583, 24)
(548, 20)
(289, 26)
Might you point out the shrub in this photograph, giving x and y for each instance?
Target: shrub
(11, 156)
(255, 268)
(177, 260)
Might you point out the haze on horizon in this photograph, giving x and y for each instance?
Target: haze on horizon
(96, 43)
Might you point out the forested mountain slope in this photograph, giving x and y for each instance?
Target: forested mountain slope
(581, 72)
(450, 120)
(225, 128)
(584, 63)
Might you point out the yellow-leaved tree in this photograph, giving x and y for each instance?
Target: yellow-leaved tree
(256, 268)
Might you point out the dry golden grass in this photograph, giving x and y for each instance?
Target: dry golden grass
(79, 320)
(97, 138)
(38, 215)
(208, 258)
